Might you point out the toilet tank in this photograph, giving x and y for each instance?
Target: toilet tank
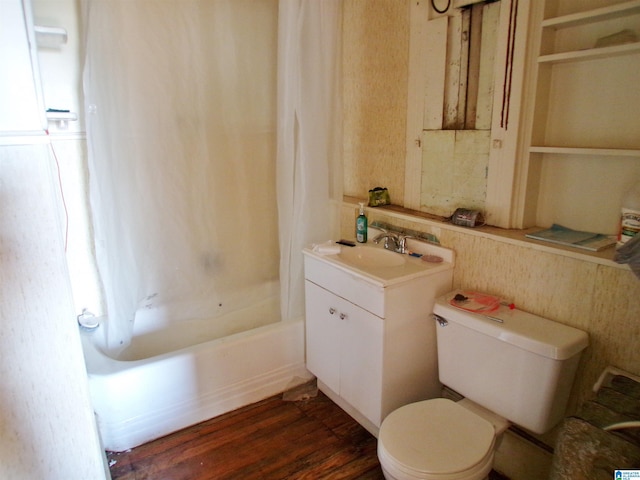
(513, 363)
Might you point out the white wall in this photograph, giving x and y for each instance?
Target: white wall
(47, 427)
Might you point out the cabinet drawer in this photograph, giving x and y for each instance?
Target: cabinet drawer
(346, 285)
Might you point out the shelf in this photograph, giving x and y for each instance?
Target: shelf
(595, 15)
(583, 112)
(61, 117)
(591, 53)
(603, 152)
(517, 237)
(50, 37)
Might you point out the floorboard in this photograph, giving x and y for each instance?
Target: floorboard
(270, 440)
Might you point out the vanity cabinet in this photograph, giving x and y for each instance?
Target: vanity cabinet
(371, 342)
(344, 349)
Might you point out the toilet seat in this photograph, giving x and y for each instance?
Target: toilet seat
(436, 439)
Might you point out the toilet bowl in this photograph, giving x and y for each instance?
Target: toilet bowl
(436, 439)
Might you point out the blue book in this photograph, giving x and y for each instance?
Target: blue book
(573, 238)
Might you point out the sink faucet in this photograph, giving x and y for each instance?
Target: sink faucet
(394, 241)
(402, 243)
(391, 241)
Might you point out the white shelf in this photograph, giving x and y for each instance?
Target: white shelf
(50, 37)
(595, 15)
(580, 138)
(591, 53)
(603, 152)
(61, 118)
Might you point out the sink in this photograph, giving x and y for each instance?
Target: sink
(373, 257)
(376, 264)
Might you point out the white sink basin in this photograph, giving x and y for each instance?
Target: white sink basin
(383, 267)
(373, 257)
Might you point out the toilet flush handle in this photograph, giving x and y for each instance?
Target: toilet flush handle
(441, 321)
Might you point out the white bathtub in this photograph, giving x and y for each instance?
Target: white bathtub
(150, 395)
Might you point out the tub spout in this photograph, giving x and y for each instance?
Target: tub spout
(87, 320)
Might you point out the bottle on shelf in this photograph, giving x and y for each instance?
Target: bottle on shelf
(630, 215)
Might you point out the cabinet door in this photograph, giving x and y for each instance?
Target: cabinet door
(361, 361)
(323, 335)
(344, 349)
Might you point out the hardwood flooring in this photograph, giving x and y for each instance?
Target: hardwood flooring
(272, 439)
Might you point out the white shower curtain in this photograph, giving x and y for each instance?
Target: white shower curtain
(309, 136)
(181, 125)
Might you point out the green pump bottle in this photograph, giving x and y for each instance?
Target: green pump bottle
(361, 225)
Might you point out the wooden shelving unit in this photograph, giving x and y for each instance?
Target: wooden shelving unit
(584, 122)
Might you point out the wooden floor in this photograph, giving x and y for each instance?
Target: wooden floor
(273, 439)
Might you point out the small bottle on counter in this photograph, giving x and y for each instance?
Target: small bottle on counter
(361, 225)
(630, 215)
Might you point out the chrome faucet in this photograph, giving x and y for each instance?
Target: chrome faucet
(391, 241)
(394, 241)
(402, 243)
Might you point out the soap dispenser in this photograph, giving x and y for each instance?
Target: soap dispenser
(361, 225)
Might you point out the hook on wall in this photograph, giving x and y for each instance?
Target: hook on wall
(438, 10)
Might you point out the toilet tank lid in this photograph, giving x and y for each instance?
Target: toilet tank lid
(519, 328)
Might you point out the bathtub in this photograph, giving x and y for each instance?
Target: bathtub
(180, 376)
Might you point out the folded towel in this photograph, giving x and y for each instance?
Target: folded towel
(327, 248)
(630, 253)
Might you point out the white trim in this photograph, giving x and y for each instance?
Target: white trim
(506, 182)
(35, 64)
(23, 138)
(590, 54)
(37, 138)
(417, 79)
(602, 152)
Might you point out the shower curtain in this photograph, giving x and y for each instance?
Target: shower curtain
(309, 136)
(188, 105)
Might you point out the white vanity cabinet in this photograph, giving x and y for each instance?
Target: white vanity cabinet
(371, 341)
(344, 349)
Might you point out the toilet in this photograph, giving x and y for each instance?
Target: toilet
(509, 365)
